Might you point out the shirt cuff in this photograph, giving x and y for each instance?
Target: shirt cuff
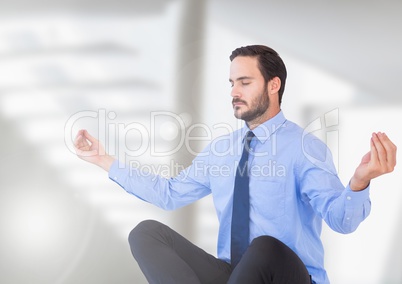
(356, 197)
(118, 172)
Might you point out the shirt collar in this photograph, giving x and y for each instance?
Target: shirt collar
(263, 131)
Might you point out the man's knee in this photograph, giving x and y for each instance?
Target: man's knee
(267, 242)
(269, 246)
(142, 233)
(269, 258)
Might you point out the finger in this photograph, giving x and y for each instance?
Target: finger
(381, 153)
(373, 150)
(79, 136)
(90, 137)
(80, 142)
(84, 153)
(390, 149)
(79, 133)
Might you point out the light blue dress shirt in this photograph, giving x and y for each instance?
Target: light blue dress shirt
(293, 186)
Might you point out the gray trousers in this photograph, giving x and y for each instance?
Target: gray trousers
(166, 257)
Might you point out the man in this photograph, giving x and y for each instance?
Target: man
(282, 183)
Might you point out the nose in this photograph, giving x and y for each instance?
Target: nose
(235, 92)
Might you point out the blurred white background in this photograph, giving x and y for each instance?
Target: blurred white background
(108, 66)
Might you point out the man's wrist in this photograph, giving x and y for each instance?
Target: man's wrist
(358, 185)
(106, 162)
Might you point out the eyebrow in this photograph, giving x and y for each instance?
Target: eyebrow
(241, 78)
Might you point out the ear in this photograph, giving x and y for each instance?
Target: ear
(274, 85)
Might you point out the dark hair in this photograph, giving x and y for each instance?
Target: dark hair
(269, 63)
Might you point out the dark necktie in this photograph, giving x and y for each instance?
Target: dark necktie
(241, 206)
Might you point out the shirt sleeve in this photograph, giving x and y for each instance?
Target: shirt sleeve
(188, 186)
(341, 208)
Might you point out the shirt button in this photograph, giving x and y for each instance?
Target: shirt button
(347, 218)
(115, 178)
(349, 198)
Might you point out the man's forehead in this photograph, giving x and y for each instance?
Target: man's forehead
(245, 60)
(244, 66)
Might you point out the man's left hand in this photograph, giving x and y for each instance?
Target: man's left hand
(380, 160)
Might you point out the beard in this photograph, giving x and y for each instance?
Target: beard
(257, 107)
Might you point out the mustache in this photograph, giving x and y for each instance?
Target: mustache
(239, 101)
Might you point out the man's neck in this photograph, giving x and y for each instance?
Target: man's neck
(263, 118)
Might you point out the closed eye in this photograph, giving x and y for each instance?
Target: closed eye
(244, 81)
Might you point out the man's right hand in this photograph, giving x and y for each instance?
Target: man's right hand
(89, 149)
